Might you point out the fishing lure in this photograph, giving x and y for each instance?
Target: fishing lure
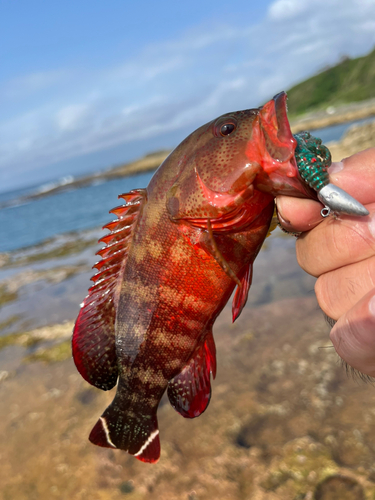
(313, 160)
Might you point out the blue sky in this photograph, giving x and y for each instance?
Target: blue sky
(88, 84)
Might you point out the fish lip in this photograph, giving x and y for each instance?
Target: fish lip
(284, 132)
(279, 141)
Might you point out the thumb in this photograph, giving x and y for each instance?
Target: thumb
(353, 336)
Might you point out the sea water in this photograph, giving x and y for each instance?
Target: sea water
(33, 221)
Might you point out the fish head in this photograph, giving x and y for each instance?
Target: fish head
(239, 158)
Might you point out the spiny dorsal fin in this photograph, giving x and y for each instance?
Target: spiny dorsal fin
(93, 342)
(189, 392)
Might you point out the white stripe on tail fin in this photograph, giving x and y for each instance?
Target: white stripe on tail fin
(121, 427)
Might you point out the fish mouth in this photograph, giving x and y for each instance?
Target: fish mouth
(279, 173)
(279, 140)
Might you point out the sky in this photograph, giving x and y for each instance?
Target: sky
(88, 84)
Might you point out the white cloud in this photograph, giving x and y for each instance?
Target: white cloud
(281, 10)
(72, 117)
(31, 83)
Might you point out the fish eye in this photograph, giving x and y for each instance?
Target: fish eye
(227, 128)
(224, 128)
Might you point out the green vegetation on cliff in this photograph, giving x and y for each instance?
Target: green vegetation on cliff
(351, 80)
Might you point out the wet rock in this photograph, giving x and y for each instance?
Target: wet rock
(265, 432)
(339, 487)
(126, 487)
(357, 138)
(302, 464)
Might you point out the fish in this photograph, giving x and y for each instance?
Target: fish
(171, 260)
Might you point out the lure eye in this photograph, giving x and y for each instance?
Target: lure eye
(224, 128)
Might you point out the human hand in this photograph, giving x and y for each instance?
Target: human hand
(341, 254)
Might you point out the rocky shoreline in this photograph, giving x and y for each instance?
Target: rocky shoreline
(334, 115)
(148, 163)
(357, 138)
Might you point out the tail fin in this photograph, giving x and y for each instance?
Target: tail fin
(136, 434)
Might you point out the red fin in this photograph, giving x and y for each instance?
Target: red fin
(93, 342)
(240, 296)
(211, 352)
(120, 428)
(189, 392)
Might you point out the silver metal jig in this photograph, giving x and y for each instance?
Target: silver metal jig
(337, 200)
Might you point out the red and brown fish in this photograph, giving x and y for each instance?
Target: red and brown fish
(172, 259)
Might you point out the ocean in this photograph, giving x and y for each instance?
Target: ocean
(24, 224)
(29, 223)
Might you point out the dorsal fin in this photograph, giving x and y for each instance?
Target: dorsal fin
(93, 342)
(240, 296)
(189, 392)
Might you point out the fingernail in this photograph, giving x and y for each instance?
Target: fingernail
(279, 208)
(336, 167)
(283, 221)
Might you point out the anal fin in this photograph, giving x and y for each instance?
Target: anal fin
(189, 392)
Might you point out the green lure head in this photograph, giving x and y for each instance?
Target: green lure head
(313, 160)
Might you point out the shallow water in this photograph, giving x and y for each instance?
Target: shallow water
(282, 421)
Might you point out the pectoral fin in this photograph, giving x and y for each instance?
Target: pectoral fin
(242, 292)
